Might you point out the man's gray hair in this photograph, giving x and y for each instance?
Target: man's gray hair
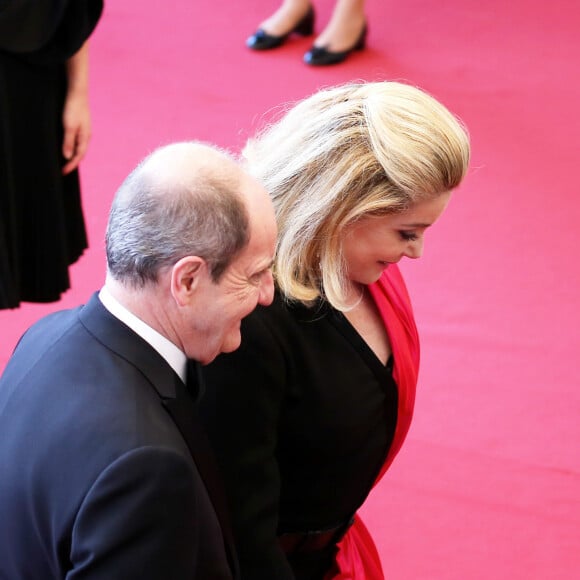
(180, 201)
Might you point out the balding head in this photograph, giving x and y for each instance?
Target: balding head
(181, 200)
(187, 165)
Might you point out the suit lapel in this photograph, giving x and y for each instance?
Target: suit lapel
(184, 412)
(174, 397)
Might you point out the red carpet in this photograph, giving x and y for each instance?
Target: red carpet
(488, 484)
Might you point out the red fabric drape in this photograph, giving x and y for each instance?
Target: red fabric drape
(357, 557)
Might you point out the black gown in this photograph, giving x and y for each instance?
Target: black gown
(301, 417)
(42, 229)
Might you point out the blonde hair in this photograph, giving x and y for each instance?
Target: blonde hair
(344, 152)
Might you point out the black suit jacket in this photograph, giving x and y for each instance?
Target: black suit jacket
(106, 473)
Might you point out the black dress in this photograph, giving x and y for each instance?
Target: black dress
(301, 417)
(42, 229)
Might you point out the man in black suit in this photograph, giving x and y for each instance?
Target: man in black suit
(105, 472)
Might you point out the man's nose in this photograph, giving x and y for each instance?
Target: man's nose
(266, 289)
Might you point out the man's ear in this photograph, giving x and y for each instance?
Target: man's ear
(186, 276)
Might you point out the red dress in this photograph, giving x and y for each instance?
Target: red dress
(357, 558)
(304, 419)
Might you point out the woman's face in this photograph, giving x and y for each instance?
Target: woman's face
(372, 243)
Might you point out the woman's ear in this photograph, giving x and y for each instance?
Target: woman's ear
(186, 276)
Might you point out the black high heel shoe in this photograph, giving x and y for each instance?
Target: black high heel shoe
(261, 40)
(321, 56)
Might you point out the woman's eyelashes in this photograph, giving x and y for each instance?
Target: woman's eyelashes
(408, 236)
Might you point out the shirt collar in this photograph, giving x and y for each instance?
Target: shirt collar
(174, 356)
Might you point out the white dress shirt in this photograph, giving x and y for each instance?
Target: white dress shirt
(171, 353)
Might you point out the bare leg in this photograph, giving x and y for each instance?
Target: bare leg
(345, 26)
(286, 17)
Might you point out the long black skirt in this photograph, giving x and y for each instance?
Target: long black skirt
(42, 228)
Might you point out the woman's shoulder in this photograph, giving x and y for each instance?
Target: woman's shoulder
(284, 312)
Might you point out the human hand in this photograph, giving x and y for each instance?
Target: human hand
(76, 121)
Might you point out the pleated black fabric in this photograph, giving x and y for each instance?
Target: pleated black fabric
(42, 228)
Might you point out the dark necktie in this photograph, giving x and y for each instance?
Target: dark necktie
(194, 380)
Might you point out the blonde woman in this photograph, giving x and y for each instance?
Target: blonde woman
(309, 413)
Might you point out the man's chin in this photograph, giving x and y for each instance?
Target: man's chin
(229, 345)
(232, 344)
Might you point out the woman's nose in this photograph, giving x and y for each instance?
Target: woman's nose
(415, 249)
